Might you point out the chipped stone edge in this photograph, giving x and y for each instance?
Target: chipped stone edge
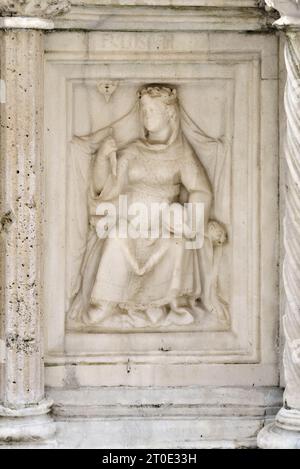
(291, 21)
(22, 22)
(37, 409)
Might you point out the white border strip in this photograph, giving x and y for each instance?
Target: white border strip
(20, 22)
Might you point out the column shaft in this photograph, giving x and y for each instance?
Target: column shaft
(22, 382)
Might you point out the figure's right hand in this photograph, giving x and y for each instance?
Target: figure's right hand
(108, 146)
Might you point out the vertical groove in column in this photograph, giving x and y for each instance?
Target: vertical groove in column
(291, 265)
(20, 216)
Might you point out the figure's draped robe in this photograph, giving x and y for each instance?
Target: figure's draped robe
(149, 281)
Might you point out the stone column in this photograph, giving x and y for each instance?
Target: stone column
(24, 410)
(285, 432)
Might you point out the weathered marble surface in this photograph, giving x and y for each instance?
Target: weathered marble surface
(42, 8)
(289, 12)
(22, 376)
(285, 433)
(182, 417)
(73, 70)
(228, 80)
(166, 15)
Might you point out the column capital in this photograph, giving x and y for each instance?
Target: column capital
(289, 12)
(34, 8)
(31, 14)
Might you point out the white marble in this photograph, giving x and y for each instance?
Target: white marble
(285, 432)
(188, 101)
(274, 437)
(172, 15)
(33, 8)
(182, 417)
(22, 380)
(200, 80)
(24, 411)
(289, 12)
(25, 23)
(154, 251)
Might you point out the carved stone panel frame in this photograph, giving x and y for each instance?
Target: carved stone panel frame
(245, 68)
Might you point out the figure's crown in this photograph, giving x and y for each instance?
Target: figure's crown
(167, 94)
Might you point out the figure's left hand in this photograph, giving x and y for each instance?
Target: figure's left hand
(175, 221)
(217, 233)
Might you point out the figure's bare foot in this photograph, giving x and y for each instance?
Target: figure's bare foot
(179, 313)
(155, 314)
(97, 314)
(179, 319)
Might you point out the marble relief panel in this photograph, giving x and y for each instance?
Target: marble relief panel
(172, 130)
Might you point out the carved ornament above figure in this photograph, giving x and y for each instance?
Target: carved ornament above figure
(34, 8)
(289, 11)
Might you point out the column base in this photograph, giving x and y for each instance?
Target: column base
(29, 424)
(284, 433)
